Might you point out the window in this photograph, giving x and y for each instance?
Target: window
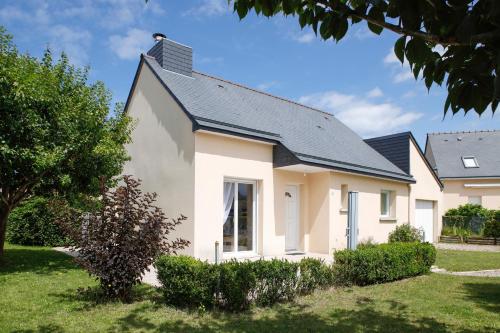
(239, 216)
(470, 162)
(385, 203)
(343, 196)
(475, 200)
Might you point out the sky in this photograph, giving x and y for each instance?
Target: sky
(358, 79)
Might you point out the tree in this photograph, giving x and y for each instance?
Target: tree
(56, 131)
(468, 30)
(120, 240)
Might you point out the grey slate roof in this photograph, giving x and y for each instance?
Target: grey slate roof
(445, 151)
(313, 136)
(394, 147)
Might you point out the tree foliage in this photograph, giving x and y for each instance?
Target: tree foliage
(56, 131)
(120, 240)
(468, 31)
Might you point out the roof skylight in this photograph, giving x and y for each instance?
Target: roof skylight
(470, 162)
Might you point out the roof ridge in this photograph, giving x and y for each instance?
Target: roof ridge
(464, 132)
(265, 93)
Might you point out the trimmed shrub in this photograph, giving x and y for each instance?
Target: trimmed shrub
(314, 274)
(234, 285)
(277, 281)
(383, 263)
(406, 233)
(186, 282)
(32, 223)
(237, 282)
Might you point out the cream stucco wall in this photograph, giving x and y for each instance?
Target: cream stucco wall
(218, 157)
(162, 151)
(426, 188)
(369, 223)
(456, 194)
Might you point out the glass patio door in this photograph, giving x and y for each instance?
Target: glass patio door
(239, 216)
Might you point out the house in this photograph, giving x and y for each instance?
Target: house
(468, 164)
(425, 196)
(257, 174)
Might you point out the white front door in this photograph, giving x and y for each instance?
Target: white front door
(291, 217)
(424, 218)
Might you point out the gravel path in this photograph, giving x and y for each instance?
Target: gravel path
(149, 277)
(485, 273)
(468, 247)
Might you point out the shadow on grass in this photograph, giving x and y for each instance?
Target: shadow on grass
(294, 318)
(35, 260)
(49, 328)
(485, 295)
(91, 297)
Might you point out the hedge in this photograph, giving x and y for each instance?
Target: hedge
(383, 263)
(32, 223)
(234, 285)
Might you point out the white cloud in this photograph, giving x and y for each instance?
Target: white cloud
(362, 115)
(305, 38)
(131, 45)
(73, 42)
(208, 8)
(400, 73)
(39, 16)
(264, 86)
(375, 92)
(110, 14)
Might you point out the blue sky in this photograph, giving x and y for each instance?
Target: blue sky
(358, 79)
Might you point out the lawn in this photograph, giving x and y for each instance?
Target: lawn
(461, 261)
(39, 294)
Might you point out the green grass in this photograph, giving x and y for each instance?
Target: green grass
(461, 261)
(39, 294)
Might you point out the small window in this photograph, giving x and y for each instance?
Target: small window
(475, 200)
(343, 196)
(385, 203)
(470, 162)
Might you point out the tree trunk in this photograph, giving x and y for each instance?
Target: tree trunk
(4, 214)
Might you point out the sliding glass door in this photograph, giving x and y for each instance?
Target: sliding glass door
(239, 219)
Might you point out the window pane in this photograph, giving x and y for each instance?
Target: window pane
(470, 162)
(245, 217)
(384, 203)
(228, 227)
(475, 200)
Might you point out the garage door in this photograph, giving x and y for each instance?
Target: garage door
(424, 218)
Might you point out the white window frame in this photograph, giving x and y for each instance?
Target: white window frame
(235, 252)
(387, 201)
(464, 158)
(475, 197)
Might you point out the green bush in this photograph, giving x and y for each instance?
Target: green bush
(237, 283)
(314, 274)
(234, 285)
(468, 211)
(492, 226)
(383, 263)
(186, 282)
(405, 233)
(276, 281)
(32, 223)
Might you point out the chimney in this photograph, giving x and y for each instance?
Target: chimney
(171, 55)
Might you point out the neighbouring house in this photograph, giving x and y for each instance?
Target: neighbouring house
(425, 196)
(258, 174)
(468, 164)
